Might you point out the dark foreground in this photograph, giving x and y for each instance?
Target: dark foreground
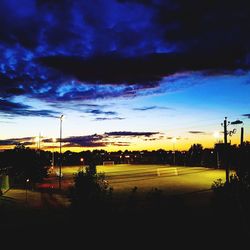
(169, 222)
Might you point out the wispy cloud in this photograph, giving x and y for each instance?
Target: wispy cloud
(11, 109)
(100, 112)
(197, 132)
(246, 115)
(91, 141)
(131, 134)
(108, 118)
(151, 108)
(14, 141)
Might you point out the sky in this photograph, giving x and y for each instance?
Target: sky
(125, 74)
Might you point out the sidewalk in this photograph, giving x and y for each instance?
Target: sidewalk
(36, 199)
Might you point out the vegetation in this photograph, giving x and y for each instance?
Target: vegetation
(91, 190)
(24, 163)
(233, 200)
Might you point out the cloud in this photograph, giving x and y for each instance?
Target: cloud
(91, 141)
(131, 134)
(10, 109)
(108, 118)
(197, 132)
(80, 50)
(100, 112)
(246, 115)
(150, 108)
(236, 122)
(82, 141)
(95, 140)
(14, 141)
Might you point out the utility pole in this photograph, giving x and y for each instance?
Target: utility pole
(226, 146)
(60, 166)
(242, 136)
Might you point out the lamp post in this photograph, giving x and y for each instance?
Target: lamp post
(60, 165)
(26, 193)
(36, 140)
(53, 152)
(217, 136)
(82, 166)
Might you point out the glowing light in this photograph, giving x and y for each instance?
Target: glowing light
(216, 134)
(37, 139)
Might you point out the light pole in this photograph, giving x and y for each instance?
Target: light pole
(60, 165)
(36, 140)
(53, 152)
(217, 136)
(26, 193)
(82, 166)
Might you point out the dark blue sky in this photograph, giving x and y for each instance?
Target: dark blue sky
(114, 64)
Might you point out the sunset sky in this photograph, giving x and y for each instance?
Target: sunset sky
(126, 74)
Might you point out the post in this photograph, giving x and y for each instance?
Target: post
(174, 153)
(26, 191)
(174, 140)
(242, 136)
(53, 159)
(82, 166)
(226, 150)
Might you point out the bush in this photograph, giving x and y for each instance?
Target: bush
(91, 190)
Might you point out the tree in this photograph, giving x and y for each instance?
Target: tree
(91, 191)
(195, 155)
(24, 164)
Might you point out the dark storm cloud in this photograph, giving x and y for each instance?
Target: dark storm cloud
(10, 109)
(61, 51)
(146, 70)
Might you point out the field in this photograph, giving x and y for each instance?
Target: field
(170, 179)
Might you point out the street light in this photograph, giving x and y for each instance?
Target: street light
(36, 140)
(53, 153)
(26, 193)
(216, 135)
(60, 165)
(82, 166)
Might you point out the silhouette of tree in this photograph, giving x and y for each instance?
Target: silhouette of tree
(91, 191)
(24, 164)
(195, 155)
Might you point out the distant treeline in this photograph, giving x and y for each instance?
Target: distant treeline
(22, 163)
(23, 159)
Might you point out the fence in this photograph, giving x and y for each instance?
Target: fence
(4, 183)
